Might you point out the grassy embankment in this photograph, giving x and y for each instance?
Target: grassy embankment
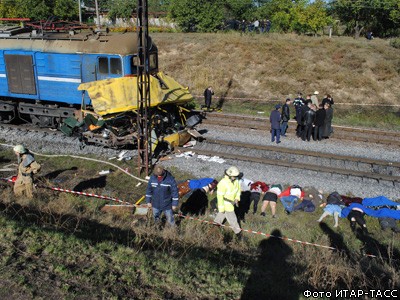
(61, 246)
(273, 67)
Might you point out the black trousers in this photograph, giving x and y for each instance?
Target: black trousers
(359, 218)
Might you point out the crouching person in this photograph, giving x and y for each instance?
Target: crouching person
(27, 167)
(162, 195)
(197, 202)
(228, 195)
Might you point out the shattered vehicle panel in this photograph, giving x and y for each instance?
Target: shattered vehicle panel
(116, 95)
(113, 120)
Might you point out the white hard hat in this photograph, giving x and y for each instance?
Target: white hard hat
(316, 93)
(232, 171)
(20, 149)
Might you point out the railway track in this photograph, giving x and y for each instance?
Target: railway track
(340, 132)
(378, 170)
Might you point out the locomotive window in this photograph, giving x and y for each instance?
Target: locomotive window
(103, 65)
(115, 66)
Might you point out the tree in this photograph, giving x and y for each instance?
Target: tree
(239, 9)
(316, 16)
(280, 12)
(158, 5)
(121, 9)
(66, 9)
(380, 16)
(197, 15)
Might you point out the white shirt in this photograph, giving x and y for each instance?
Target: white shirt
(245, 184)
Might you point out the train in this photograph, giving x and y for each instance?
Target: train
(82, 81)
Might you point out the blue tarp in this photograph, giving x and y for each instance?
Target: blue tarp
(379, 201)
(379, 213)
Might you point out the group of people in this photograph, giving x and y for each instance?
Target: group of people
(235, 194)
(257, 26)
(314, 119)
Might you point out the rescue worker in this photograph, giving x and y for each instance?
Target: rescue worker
(27, 167)
(162, 194)
(228, 195)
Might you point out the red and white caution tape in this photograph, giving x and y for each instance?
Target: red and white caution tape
(266, 234)
(189, 217)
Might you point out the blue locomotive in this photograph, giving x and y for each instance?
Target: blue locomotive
(40, 72)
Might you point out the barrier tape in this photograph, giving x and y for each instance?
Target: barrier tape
(274, 101)
(266, 234)
(191, 218)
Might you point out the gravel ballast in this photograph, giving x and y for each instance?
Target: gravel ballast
(56, 143)
(274, 174)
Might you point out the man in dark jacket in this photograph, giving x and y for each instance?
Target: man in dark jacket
(319, 123)
(285, 117)
(208, 96)
(162, 194)
(275, 119)
(309, 118)
(298, 103)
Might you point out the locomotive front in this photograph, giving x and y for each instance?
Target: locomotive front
(44, 77)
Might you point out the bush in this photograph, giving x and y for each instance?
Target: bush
(395, 43)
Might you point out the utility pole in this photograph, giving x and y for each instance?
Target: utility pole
(97, 15)
(80, 11)
(143, 88)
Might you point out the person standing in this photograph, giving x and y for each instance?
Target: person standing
(208, 93)
(275, 119)
(309, 119)
(314, 98)
(328, 121)
(285, 117)
(228, 195)
(319, 123)
(298, 103)
(328, 99)
(27, 167)
(162, 194)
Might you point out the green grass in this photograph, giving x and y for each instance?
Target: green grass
(62, 246)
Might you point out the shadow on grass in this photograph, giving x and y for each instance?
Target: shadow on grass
(373, 247)
(98, 182)
(54, 174)
(272, 276)
(221, 100)
(4, 160)
(336, 240)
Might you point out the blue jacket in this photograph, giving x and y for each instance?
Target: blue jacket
(164, 194)
(275, 119)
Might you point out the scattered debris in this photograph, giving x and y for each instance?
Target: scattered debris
(188, 154)
(190, 144)
(211, 159)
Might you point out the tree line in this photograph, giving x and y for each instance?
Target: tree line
(298, 16)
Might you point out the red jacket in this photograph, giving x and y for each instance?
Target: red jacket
(259, 185)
